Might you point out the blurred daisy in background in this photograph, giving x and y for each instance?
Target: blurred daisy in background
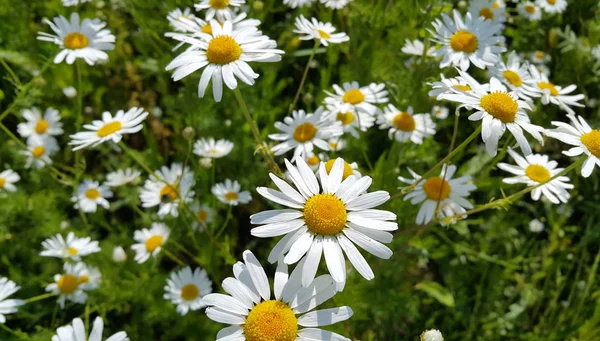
(534, 170)
(119, 255)
(68, 3)
(229, 192)
(39, 151)
(335, 4)
(185, 288)
(256, 314)
(336, 144)
(324, 220)
(8, 179)
(489, 10)
(431, 335)
(440, 112)
(72, 248)
(70, 92)
(122, 177)
(536, 226)
(212, 149)
(363, 99)
(8, 306)
(72, 284)
(515, 75)
(352, 121)
(177, 16)
(319, 31)
(404, 126)
(298, 3)
(167, 187)
(110, 128)
(555, 94)
(416, 48)
(530, 11)
(442, 196)
(445, 86)
(314, 161)
(552, 6)
(87, 39)
(90, 194)
(222, 9)
(539, 57)
(39, 126)
(472, 41)
(76, 332)
(204, 215)
(149, 241)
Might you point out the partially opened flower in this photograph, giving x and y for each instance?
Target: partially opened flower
(39, 126)
(489, 10)
(87, 39)
(186, 288)
(552, 6)
(222, 9)
(335, 4)
(8, 306)
(73, 283)
(257, 315)
(319, 31)
(8, 178)
(212, 149)
(363, 99)
(90, 194)
(76, 332)
(553, 93)
(122, 177)
(404, 125)
(530, 11)
(149, 241)
(230, 193)
(72, 248)
(39, 151)
(166, 188)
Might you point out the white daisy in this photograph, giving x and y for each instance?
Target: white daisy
(210, 148)
(186, 288)
(90, 194)
(516, 76)
(320, 31)
(584, 139)
(38, 126)
(229, 193)
(110, 128)
(254, 315)
(416, 47)
(72, 248)
(431, 335)
(553, 93)
(222, 9)
(441, 193)
(530, 11)
(536, 226)
(539, 57)
(298, 3)
(302, 131)
(166, 188)
(352, 121)
(475, 41)
(72, 284)
(88, 39)
(360, 98)
(39, 151)
(404, 126)
(149, 242)
(122, 177)
(176, 17)
(335, 4)
(7, 288)
(76, 332)
(440, 112)
(552, 6)
(204, 216)
(535, 169)
(488, 10)
(445, 86)
(498, 110)
(324, 220)
(8, 179)
(336, 144)
(68, 3)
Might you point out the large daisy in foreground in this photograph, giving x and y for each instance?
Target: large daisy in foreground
(325, 219)
(254, 315)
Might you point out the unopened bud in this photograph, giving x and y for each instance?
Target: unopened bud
(258, 5)
(189, 133)
(206, 162)
(119, 255)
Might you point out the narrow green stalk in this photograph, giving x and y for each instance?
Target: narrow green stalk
(588, 285)
(135, 158)
(172, 257)
(225, 222)
(38, 298)
(303, 80)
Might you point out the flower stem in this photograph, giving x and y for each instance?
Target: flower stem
(310, 59)
(172, 257)
(39, 297)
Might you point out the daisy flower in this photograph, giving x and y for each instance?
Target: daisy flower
(297, 3)
(73, 283)
(416, 47)
(473, 41)
(352, 121)
(8, 179)
(39, 126)
(149, 242)
(314, 161)
(359, 98)
(319, 31)
(404, 126)
(535, 169)
(72, 248)
(204, 216)
(498, 110)
(88, 39)
(166, 188)
(515, 75)
(446, 85)
(224, 55)
(488, 10)
(536, 226)
(431, 335)
(222, 9)
(254, 314)
(440, 112)
(584, 139)
(324, 220)
(122, 177)
(530, 11)
(552, 6)
(186, 288)
(553, 93)
(68, 3)
(76, 332)
(539, 57)
(39, 151)
(7, 288)
(229, 193)
(335, 4)
(210, 148)
(441, 193)
(176, 17)
(110, 128)
(336, 144)
(90, 194)
(302, 131)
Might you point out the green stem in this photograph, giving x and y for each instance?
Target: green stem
(225, 222)
(303, 80)
(38, 298)
(172, 257)
(135, 157)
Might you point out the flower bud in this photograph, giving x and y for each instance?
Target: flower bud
(119, 255)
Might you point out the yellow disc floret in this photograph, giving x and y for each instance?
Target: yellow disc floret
(219, 4)
(202, 215)
(313, 160)
(591, 141)
(353, 96)
(549, 86)
(41, 126)
(436, 188)
(324, 34)
(537, 173)
(464, 41)
(168, 192)
(153, 243)
(109, 128)
(462, 87)
(347, 168)
(529, 8)
(325, 214)
(38, 151)
(271, 321)
(67, 284)
(72, 251)
(75, 40)
(223, 50)
(404, 121)
(345, 118)
(2, 182)
(207, 29)
(92, 194)
(190, 292)
(512, 77)
(500, 105)
(305, 132)
(486, 13)
(231, 196)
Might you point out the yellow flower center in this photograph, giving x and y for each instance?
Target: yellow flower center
(325, 214)
(109, 128)
(219, 4)
(436, 188)
(462, 87)
(549, 86)
(2, 182)
(72, 251)
(41, 126)
(67, 284)
(347, 168)
(153, 242)
(354, 96)
(529, 8)
(271, 321)
(75, 40)
(591, 141)
(231, 196)
(501, 106)
(84, 279)
(313, 160)
(202, 215)
(324, 34)
(305, 132)
(404, 121)
(333, 145)
(92, 194)
(540, 54)
(168, 193)
(38, 151)
(496, 4)
(512, 77)
(345, 118)
(463, 41)
(486, 13)
(223, 50)
(537, 173)
(551, 2)
(190, 292)
(207, 29)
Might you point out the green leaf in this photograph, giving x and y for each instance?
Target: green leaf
(436, 291)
